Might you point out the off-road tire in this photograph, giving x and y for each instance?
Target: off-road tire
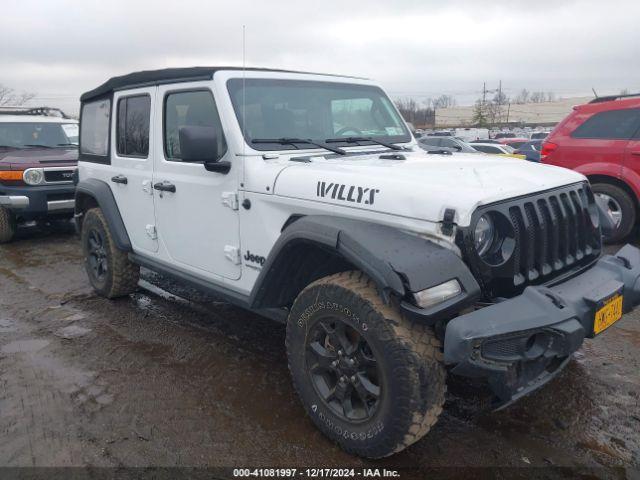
(122, 275)
(7, 225)
(627, 206)
(408, 354)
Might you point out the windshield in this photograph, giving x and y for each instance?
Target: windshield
(31, 134)
(320, 111)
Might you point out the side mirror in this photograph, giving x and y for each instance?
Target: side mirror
(200, 144)
(457, 147)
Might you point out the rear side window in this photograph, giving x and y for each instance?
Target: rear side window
(193, 108)
(133, 126)
(612, 125)
(94, 128)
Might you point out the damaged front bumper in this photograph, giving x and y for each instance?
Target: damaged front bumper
(519, 344)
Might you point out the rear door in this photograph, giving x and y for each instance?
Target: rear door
(601, 138)
(632, 152)
(132, 165)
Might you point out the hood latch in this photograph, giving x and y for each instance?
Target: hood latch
(447, 221)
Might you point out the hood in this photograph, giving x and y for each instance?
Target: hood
(422, 186)
(37, 157)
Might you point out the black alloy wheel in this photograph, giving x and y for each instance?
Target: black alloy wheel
(343, 369)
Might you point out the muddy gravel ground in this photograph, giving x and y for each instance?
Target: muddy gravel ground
(168, 377)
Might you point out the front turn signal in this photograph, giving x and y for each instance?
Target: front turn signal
(11, 175)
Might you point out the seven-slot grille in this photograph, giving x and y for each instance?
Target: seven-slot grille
(553, 234)
(57, 175)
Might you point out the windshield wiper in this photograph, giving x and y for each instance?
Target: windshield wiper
(294, 141)
(37, 145)
(363, 139)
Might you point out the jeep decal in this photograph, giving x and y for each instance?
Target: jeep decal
(250, 257)
(347, 193)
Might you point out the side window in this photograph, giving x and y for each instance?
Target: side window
(448, 143)
(192, 108)
(132, 129)
(94, 129)
(613, 125)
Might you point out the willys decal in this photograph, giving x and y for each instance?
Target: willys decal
(347, 193)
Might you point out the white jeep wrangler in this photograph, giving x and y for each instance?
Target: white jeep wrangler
(305, 198)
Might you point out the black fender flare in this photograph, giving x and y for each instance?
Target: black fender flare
(103, 196)
(399, 262)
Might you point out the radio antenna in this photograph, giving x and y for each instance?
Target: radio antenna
(244, 66)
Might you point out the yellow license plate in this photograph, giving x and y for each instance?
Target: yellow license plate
(609, 314)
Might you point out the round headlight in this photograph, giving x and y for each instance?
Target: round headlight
(484, 234)
(33, 176)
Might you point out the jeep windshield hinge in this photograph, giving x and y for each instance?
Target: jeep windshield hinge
(151, 231)
(232, 254)
(230, 199)
(447, 221)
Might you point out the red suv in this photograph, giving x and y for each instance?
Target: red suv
(602, 141)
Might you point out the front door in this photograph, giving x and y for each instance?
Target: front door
(132, 162)
(196, 216)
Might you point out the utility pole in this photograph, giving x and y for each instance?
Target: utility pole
(499, 109)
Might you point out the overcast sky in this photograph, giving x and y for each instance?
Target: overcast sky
(60, 48)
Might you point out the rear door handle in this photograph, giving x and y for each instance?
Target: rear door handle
(119, 179)
(637, 154)
(165, 187)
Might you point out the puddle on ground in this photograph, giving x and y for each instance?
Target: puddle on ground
(7, 325)
(24, 346)
(72, 331)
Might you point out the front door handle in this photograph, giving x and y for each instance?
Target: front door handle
(637, 154)
(165, 187)
(119, 179)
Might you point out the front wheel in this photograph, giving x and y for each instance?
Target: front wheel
(7, 225)
(369, 379)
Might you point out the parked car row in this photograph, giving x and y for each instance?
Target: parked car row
(455, 144)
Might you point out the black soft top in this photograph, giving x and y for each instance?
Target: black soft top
(166, 75)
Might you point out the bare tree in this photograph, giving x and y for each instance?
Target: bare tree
(551, 97)
(8, 96)
(538, 97)
(412, 111)
(624, 91)
(522, 97)
(444, 101)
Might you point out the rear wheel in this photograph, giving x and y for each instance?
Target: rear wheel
(7, 225)
(620, 207)
(369, 379)
(110, 272)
